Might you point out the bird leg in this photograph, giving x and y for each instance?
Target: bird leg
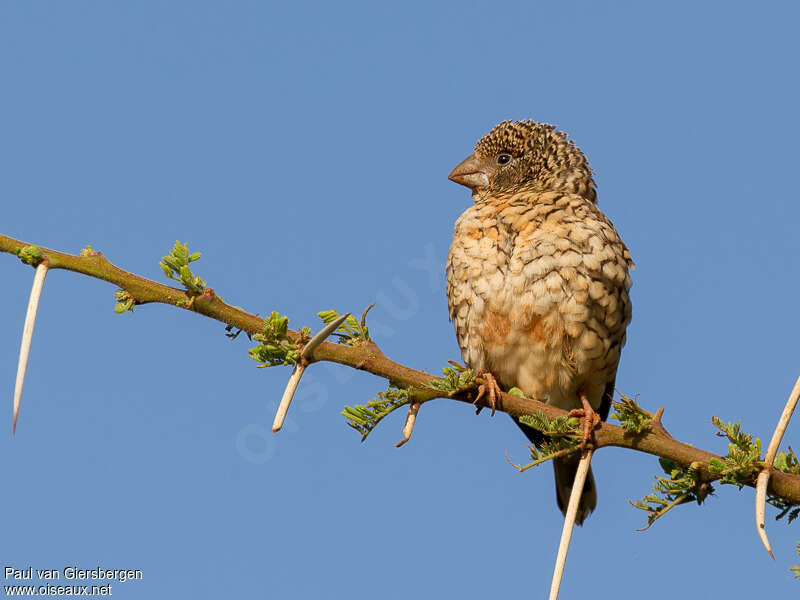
(489, 387)
(588, 417)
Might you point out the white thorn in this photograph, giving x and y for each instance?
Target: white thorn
(294, 380)
(322, 335)
(769, 458)
(761, 506)
(411, 419)
(569, 522)
(286, 400)
(27, 336)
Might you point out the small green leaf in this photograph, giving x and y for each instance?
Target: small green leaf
(275, 347)
(175, 266)
(125, 302)
(364, 419)
(631, 416)
(350, 332)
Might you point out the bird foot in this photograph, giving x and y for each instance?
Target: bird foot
(589, 420)
(491, 388)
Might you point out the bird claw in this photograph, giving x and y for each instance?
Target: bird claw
(489, 387)
(589, 420)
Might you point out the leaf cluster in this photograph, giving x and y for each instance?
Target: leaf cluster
(455, 379)
(176, 266)
(364, 419)
(743, 461)
(125, 302)
(351, 332)
(681, 485)
(632, 417)
(563, 429)
(562, 437)
(275, 347)
(796, 568)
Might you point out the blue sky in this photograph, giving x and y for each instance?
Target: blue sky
(304, 149)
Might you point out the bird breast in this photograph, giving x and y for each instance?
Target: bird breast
(538, 291)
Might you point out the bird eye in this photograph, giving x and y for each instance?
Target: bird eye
(504, 158)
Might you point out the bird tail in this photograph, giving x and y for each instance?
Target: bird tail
(565, 469)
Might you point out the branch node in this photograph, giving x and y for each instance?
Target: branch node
(657, 425)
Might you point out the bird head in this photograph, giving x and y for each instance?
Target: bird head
(518, 155)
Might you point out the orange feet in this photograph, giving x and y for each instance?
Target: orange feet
(491, 388)
(588, 417)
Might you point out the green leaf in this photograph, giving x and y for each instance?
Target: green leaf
(275, 347)
(743, 460)
(350, 332)
(175, 266)
(364, 419)
(455, 381)
(682, 485)
(125, 302)
(631, 416)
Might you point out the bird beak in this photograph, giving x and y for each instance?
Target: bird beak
(471, 173)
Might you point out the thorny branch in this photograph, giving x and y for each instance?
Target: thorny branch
(367, 356)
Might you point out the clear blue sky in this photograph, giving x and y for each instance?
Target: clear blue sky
(304, 149)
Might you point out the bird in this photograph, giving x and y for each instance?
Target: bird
(538, 280)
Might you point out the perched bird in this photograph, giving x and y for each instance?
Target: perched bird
(537, 278)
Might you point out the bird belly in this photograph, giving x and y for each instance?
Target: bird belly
(535, 353)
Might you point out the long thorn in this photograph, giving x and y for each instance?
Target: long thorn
(569, 522)
(769, 458)
(27, 336)
(300, 367)
(288, 394)
(761, 509)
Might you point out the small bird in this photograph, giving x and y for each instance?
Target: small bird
(538, 279)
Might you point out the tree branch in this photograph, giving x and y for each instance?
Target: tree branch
(368, 357)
